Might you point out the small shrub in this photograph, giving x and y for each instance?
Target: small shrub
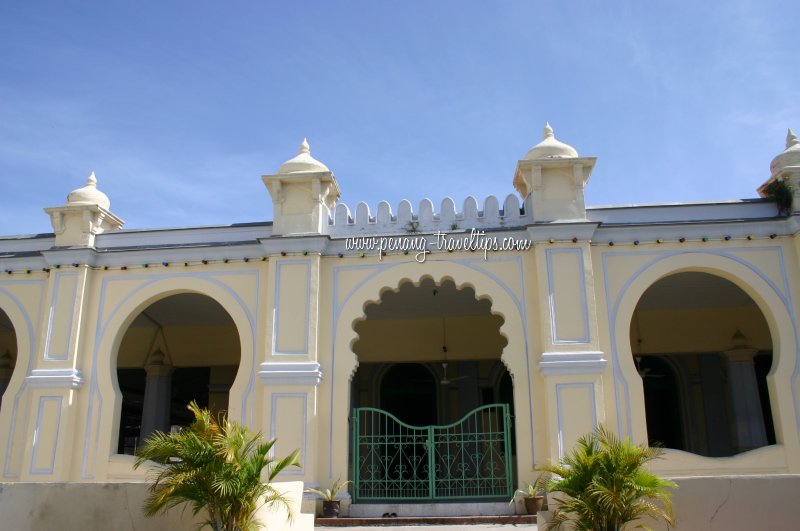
(607, 485)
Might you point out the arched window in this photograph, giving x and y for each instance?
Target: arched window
(180, 348)
(8, 352)
(703, 349)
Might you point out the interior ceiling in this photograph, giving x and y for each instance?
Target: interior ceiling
(694, 290)
(428, 300)
(181, 310)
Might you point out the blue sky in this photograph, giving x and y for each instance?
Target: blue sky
(180, 107)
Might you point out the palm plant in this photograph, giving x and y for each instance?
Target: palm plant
(330, 494)
(607, 485)
(214, 465)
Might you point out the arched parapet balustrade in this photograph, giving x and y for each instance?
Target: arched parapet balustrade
(493, 215)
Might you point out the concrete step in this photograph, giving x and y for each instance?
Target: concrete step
(425, 521)
(404, 510)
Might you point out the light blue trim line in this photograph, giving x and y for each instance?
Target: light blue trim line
(100, 331)
(380, 268)
(273, 429)
(559, 415)
(51, 315)
(35, 454)
(552, 300)
(276, 323)
(32, 344)
(523, 315)
(614, 309)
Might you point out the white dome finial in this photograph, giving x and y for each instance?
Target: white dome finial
(791, 139)
(789, 157)
(303, 161)
(89, 194)
(551, 147)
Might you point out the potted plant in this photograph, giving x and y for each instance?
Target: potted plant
(607, 485)
(533, 494)
(330, 505)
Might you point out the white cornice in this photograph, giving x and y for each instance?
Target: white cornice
(586, 362)
(290, 373)
(55, 378)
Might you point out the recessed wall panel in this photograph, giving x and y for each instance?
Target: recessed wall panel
(48, 420)
(288, 425)
(567, 296)
(576, 413)
(59, 323)
(292, 307)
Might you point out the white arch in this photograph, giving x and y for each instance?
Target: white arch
(11, 418)
(105, 393)
(343, 362)
(628, 390)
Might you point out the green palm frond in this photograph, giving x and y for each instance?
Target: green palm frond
(606, 485)
(330, 494)
(215, 465)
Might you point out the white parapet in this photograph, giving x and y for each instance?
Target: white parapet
(426, 219)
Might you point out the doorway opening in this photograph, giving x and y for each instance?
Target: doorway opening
(703, 350)
(180, 348)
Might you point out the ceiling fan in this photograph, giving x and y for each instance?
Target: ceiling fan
(445, 380)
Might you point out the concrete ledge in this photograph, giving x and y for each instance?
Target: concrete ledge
(117, 506)
(438, 510)
(426, 520)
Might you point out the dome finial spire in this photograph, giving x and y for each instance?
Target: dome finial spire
(303, 161)
(550, 147)
(89, 194)
(791, 139)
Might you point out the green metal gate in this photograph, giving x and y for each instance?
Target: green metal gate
(468, 459)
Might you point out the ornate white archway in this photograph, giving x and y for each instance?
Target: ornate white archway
(105, 398)
(773, 301)
(12, 419)
(349, 305)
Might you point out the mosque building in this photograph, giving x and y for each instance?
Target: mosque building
(428, 353)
